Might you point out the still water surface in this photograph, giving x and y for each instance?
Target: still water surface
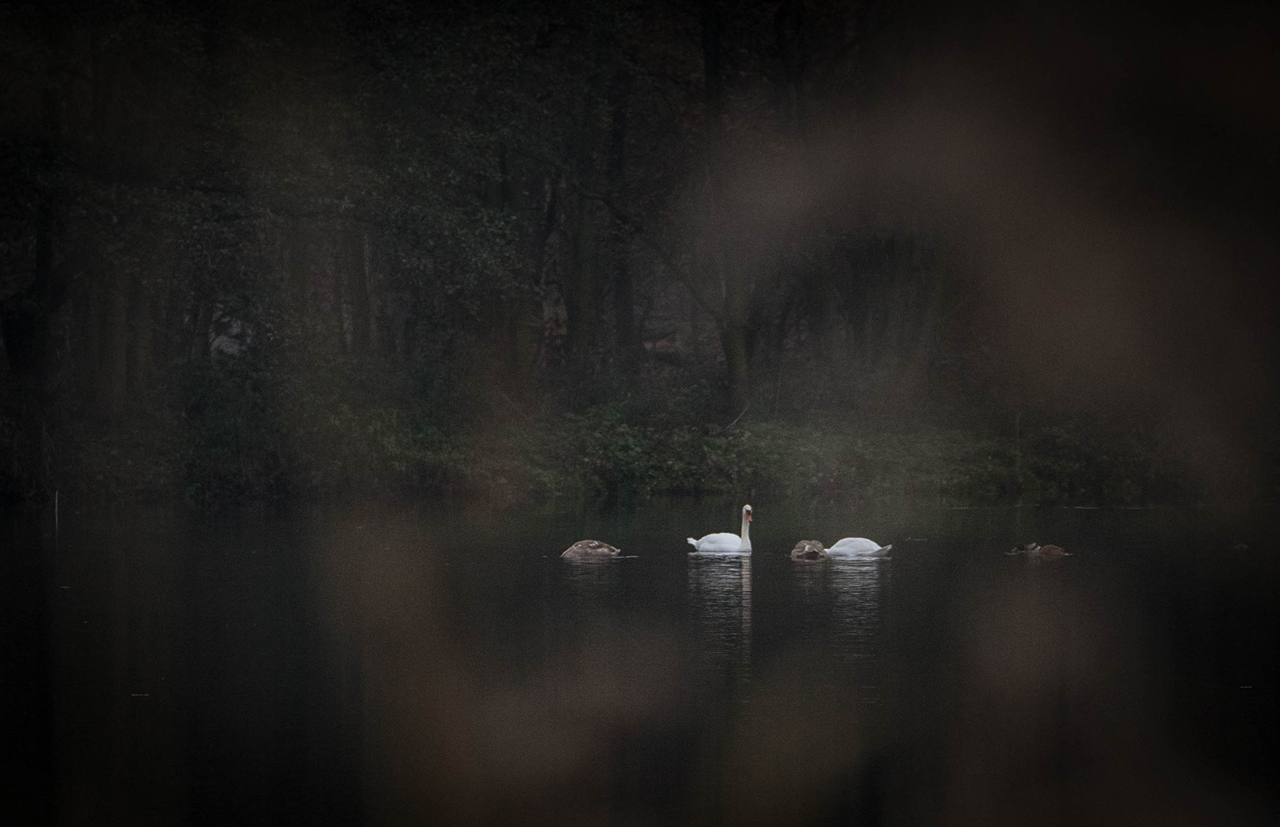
(401, 666)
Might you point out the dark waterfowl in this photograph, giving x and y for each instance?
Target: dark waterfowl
(809, 551)
(590, 550)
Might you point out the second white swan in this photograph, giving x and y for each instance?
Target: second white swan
(858, 547)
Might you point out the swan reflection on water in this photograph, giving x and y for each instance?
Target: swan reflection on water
(840, 602)
(856, 608)
(720, 602)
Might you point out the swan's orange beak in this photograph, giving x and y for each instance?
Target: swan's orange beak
(748, 517)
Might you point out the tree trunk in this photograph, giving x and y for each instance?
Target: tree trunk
(733, 325)
(515, 316)
(296, 250)
(792, 44)
(504, 178)
(201, 320)
(141, 333)
(579, 289)
(114, 376)
(337, 273)
(357, 272)
(25, 316)
(628, 336)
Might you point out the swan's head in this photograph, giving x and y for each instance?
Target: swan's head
(746, 513)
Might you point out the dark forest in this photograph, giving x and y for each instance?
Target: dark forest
(617, 250)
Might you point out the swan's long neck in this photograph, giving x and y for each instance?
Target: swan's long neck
(746, 528)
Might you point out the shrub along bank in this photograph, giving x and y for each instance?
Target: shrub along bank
(261, 449)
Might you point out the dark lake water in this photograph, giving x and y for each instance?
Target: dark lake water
(406, 666)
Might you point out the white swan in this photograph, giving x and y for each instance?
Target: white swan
(858, 547)
(726, 543)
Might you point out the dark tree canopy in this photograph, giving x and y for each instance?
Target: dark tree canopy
(522, 249)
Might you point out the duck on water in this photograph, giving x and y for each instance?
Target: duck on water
(590, 550)
(809, 551)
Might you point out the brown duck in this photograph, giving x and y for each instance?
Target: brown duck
(590, 550)
(809, 551)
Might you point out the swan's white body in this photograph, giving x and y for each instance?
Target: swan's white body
(858, 547)
(726, 543)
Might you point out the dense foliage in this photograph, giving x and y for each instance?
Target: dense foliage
(528, 250)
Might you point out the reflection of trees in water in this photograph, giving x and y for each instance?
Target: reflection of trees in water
(188, 679)
(720, 601)
(592, 583)
(120, 724)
